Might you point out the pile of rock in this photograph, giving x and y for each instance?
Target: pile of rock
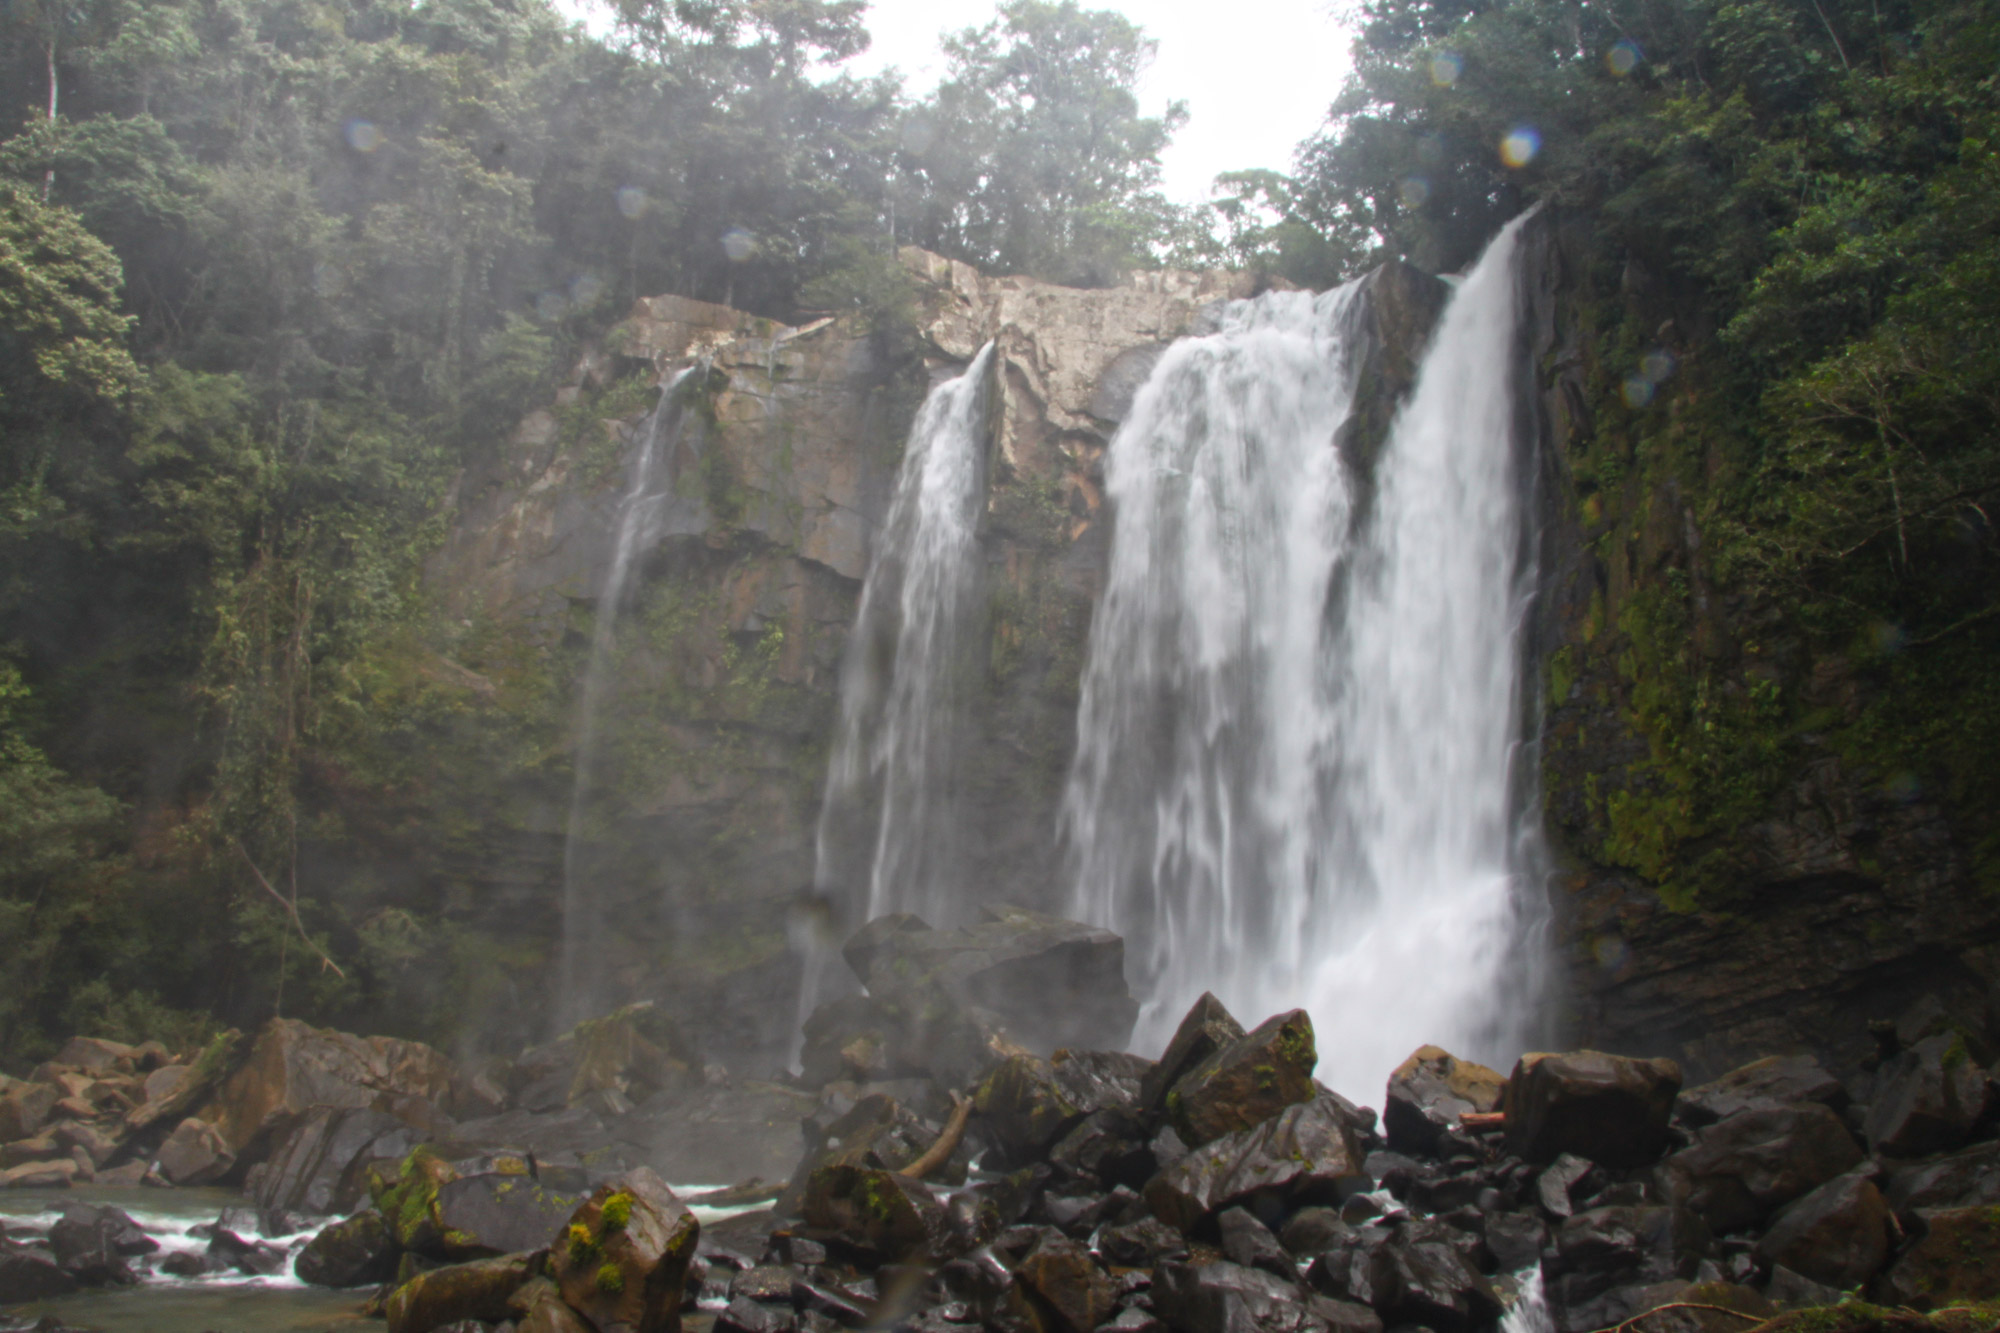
(92, 1246)
(102, 1111)
(1222, 1189)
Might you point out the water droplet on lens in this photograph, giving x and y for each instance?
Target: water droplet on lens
(1638, 391)
(1518, 149)
(1446, 66)
(1623, 57)
(739, 244)
(363, 136)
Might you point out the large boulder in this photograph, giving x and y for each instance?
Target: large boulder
(1429, 1092)
(878, 1216)
(1065, 1279)
(1742, 1169)
(623, 1260)
(1205, 1029)
(1612, 1109)
(1027, 1103)
(31, 1275)
(194, 1154)
(94, 1244)
(1306, 1154)
(1222, 1297)
(1839, 1234)
(625, 1056)
(315, 1167)
(1964, 1179)
(1773, 1081)
(1955, 1261)
(97, 1055)
(357, 1252)
(1247, 1081)
(294, 1067)
(448, 1296)
(25, 1108)
(499, 1212)
(1927, 1099)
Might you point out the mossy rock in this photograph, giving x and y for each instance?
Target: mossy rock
(879, 1216)
(622, 1261)
(408, 1200)
(1956, 1261)
(1247, 1081)
(480, 1290)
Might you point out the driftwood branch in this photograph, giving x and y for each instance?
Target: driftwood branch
(947, 1143)
(1483, 1119)
(291, 910)
(1685, 1305)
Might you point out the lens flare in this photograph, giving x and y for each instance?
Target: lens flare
(1623, 57)
(632, 201)
(1446, 66)
(1415, 192)
(739, 244)
(1638, 391)
(1518, 149)
(363, 136)
(1657, 365)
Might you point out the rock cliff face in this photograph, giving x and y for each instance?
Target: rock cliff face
(1846, 901)
(728, 648)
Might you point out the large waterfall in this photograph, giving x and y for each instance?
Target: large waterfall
(1297, 780)
(887, 831)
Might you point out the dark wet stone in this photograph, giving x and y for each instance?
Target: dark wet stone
(769, 1283)
(1955, 1261)
(1611, 1109)
(1429, 1091)
(29, 1275)
(1140, 1244)
(1313, 1230)
(1305, 1154)
(1066, 1279)
(1515, 1240)
(748, 1316)
(1250, 1243)
(357, 1252)
(1247, 1081)
(1775, 1081)
(1741, 1170)
(1205, 1029)
(1927, 1099)
(490, 1214)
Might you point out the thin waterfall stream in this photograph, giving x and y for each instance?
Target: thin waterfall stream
(887, 837)
(639, 515)
(1296, 781)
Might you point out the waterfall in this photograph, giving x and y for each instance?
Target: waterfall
(887, 829)
(638, 519)
(1296, 780)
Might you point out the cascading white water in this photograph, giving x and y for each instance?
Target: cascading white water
(1295, 773)
(639, 517)
(887, 829)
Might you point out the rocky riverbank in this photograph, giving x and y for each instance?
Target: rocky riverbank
(954, 1175)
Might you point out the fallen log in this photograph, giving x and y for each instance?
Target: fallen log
(947, 1142)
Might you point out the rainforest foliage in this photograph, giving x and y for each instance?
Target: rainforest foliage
(273, 273)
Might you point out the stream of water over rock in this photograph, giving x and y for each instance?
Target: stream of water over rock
(1298, 779)
(639, 517)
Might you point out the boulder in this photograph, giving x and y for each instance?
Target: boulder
(407, 1196)
(478, 1290)
(93, 1244)
(1927, 1099)
(294, 1067)
(1742, 1169)
(1839, 1234)
(1221, 1297)
(98, 1142)
(357, 1252)
(1068, 1284)
(95, 1055)
(314, 1168)
(1954, 1261)
(878, 1215)
(1248, 1242)
(215, 1061)
(1306, 1154)
(25, 1108)
(1206, 1028)
(623, 1261)
(1774, 1081)
(30, 1275)
(163, 1083)
(630, 1053)
(1612, 1109)
(1422, 1277)
(877, 1132)
(1026, 1103)
(1602, 1252)
(499, 1213)
(1429, 1092)
(43, 1147)
(1515, 1240)
(1246, 1082)
(59, 1173)
(1568, 1176)
(1964, 1179)
(538, 1307)
(255, 1258)
(194, 1154)
(1108, 1147)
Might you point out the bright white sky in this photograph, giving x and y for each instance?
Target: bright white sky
(1257, 75)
